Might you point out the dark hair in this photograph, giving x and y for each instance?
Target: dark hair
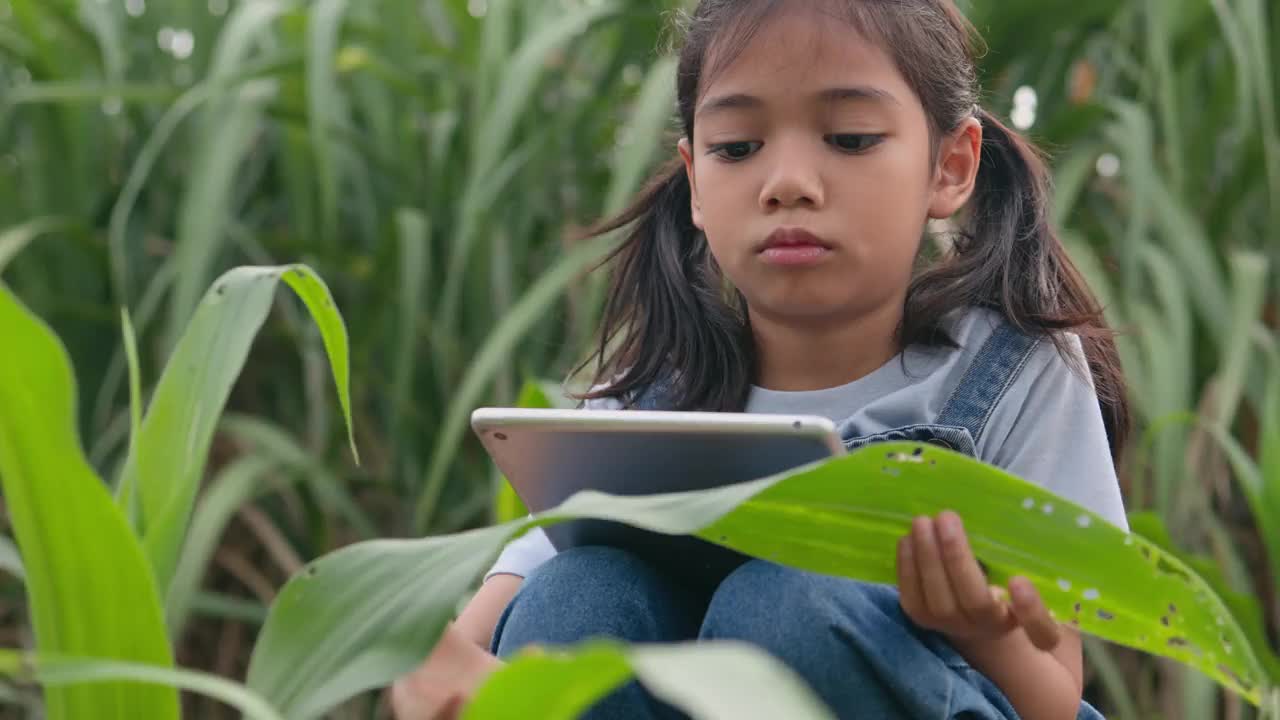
(670, 318)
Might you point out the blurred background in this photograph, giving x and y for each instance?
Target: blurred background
(433, 160)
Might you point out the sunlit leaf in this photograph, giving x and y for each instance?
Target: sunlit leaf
(365, 614)
(89, 585)
(170, 454)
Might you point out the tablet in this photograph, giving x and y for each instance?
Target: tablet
(548, 455)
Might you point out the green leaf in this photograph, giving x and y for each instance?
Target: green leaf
(706, 680)
(127, 494)
(62, 672)
(89, 586)
(327, 111)
(1248, 296)
(554, 685)
(1245, 608)
(79, 92)
(359, 617)
(413, 236)
(1139, 596)
(169, 455)
(227, 137)
(236, 484)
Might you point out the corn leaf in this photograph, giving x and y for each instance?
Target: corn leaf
(58, 672)
(169, 456)
(359, 617)
(89, 586)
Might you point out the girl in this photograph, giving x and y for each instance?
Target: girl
(781, 265)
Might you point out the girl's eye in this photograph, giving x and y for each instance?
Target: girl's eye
(854, 143)
(735, 151)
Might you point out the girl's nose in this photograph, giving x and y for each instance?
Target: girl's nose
(794, 180)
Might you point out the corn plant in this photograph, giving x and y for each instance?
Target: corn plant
(433, 160)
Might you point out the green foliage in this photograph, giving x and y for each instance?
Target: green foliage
(436, 167)
(93, 594)
(840, 517)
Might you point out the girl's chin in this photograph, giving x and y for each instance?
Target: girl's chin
(800, 308)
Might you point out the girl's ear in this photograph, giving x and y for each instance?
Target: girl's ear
(695, 207)
(959, 155)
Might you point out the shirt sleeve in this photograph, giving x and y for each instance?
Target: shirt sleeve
(524, 554)
(1048, 429)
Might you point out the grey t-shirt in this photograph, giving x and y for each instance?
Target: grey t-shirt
(1047, 428)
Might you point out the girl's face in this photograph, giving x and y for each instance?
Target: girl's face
(811, 172)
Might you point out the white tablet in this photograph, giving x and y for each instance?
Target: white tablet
(548, 455)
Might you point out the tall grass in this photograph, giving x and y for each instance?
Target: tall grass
(433, 164)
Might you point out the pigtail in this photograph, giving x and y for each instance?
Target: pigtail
(668, 309)
(1009, 257)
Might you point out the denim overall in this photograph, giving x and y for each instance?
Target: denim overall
(849, 640)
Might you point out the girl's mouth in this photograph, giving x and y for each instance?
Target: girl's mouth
(793, 247)
(795, 254)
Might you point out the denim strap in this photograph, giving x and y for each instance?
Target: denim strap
(989, 376)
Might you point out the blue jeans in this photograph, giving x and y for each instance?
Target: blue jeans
(849, 640)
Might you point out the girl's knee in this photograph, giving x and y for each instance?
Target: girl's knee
(773, 605)
(594, 592)
(573, 567)
(588, 580)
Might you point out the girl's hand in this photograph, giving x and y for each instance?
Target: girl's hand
(944, 589)
(440, 687)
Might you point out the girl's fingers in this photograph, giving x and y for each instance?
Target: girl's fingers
(1034, 617)
(968, 583)
(910, 594)
(938, 598)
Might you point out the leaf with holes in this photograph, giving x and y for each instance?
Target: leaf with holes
(359, 617)
(844, 517)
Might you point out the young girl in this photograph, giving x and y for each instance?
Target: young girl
(782, 265)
